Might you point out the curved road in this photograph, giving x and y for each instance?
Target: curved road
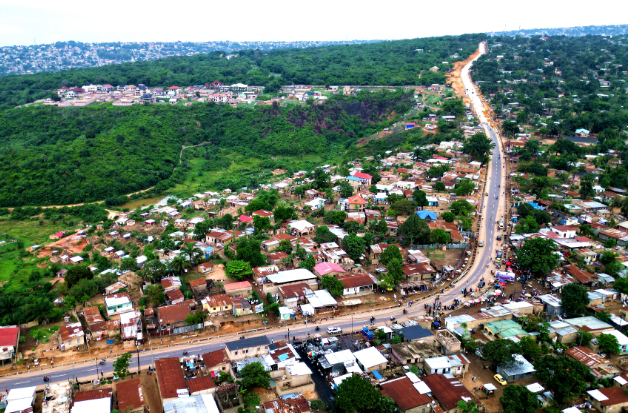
(492, 206)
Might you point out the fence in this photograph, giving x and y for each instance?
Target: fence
(178, 330)
(463, 245)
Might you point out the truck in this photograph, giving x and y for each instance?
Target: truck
(501, 224)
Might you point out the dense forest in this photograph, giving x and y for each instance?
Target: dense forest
(559, 84)
(51, 155)
(385, 63)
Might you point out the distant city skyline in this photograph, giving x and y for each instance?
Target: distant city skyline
(42, 22)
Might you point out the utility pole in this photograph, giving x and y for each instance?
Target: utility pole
(138, 359)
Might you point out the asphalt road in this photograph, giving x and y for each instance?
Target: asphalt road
(488, 232)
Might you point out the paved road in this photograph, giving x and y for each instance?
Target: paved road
(490, 213)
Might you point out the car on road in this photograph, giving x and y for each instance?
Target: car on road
(499, 238)
(481, 244)
(499, 379)
(334, 330)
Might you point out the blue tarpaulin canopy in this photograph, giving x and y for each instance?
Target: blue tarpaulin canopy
(377, 375)
(426, 214)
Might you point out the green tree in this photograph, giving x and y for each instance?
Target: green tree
(530, 348)
(404, 207)
(309, 263)
(414, 229)
(261, 224)
(128, 264)
(583, 337)
(574, 299)
(420, 197)
(353, 246)
(518, 399)
(501, 352)
(394, 273)
(608, 343)
(77, 273)
(255, 375)
(198, 317)
(191, 251)
(238, 270)
(465, 187)
(461, 207)
(357, 395)
(178, 265)
(155, 294)
(538, 256)
(390, 253)
(439, 186)
(440, 236)
(448, 216)
(250, 250)
(611, 265)
(467, 407)
(346, 190)
(479, 146)
(564, 376)
(331, 284)
(323, 235)
(121, 366)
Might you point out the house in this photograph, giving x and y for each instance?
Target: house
(417, 333)
(98, 400)
(600, 366)
(173, 316)
(205, 268)
(448, 392)
(247, 348)
(301, 227)
(609, 400)
(520, 369)
(365, 179)
(418, 272)
(582, 133)
(9, 341)
(358, 284)
(200, 403)
(217, 304)
(199, 286)
(276, 258)
(328, 268)
(175, 296)
(217, 361)
(370, 359)
(456, 364)
(408, 397)
(170, 283)
(170, 380)
(238, 289)
(118, 303)
(356, 203)
(272, 282)
(130, 396)
(71, 335)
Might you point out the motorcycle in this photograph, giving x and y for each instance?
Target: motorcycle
(317, 328)
(185, 353)
(46, 378)
(102, 362)
(392, 318)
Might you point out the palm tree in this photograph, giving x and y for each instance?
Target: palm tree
(178, 265)
(191, 251)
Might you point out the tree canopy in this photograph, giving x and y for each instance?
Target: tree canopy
(537, 255)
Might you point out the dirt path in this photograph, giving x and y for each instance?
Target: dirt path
(454, 77)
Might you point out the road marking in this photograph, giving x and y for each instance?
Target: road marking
(22, 382)
(91, 369)
(58, 375)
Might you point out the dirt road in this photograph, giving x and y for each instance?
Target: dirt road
(456, 81)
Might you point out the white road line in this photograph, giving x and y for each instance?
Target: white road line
(23, 382)
(91, 369)
(58, 375)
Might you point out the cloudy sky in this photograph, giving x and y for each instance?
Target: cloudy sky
(46, 21)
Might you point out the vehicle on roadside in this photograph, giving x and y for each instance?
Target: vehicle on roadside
(499, 238)
(481, 244)
(334, 330)
(499, 379)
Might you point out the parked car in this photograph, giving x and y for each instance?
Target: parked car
(334, 330)
(500, 379)
(481, 244)
(499, 238)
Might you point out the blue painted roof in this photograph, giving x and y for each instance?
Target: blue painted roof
(425, 214)
(377, 375)
(535, 206)
(353, 178)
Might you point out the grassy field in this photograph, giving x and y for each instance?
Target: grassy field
(12, 266)
(43, 333)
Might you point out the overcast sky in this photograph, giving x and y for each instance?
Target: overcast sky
(46, 21)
